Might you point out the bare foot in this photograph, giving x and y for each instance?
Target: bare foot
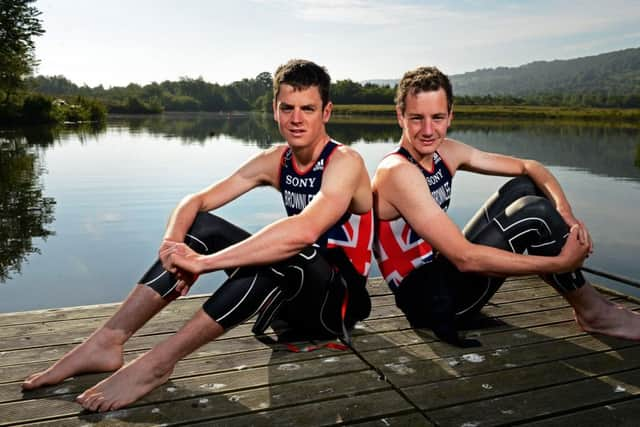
(612, 320)
(100, 353)
(128, 384)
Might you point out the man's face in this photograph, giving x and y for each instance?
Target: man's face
(425, 121)
(300, 115)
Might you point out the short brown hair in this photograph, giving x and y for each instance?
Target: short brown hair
(302, 74)
(423, 79)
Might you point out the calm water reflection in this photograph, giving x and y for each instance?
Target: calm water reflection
(82, 211)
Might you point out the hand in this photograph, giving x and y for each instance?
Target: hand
(583, 233)
(185, 281)
(164, 253)
(574, 250)
(183, 262)
(585, 237)
(179, 256)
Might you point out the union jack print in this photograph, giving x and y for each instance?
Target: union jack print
(399, 250)
(355, 237)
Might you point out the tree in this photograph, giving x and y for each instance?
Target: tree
(24, 211)
(19, 23)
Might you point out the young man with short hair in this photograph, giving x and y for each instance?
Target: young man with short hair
(440, 275)
(308, 269)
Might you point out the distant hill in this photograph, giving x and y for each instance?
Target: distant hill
(614, 73)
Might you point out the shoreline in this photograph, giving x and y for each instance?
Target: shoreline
(465, 112)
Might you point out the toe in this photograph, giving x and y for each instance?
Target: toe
(93, 403)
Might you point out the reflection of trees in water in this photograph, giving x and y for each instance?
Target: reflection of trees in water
(601, 149)
(252, 128)
(349, 131)
(258, 129)
(607, 151)
(24, 211)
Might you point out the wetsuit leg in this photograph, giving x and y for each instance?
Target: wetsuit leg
(208, 234)
(305, 290)
(335, 299)
(518, 219)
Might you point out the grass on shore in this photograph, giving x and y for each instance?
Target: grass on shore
(507, 111)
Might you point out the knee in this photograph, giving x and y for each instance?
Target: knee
(520, 186)
(205, 224)
(539, 208)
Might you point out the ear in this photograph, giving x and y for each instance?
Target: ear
(273, 107)
(400, 117)
(450, 118)
(326, 112)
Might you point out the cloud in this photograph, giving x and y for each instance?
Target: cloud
(457, 22)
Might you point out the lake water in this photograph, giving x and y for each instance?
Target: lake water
(83, 210)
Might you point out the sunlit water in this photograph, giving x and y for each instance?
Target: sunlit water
(115, 188)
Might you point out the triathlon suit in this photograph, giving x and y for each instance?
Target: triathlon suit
(429, 289)
(320, 291)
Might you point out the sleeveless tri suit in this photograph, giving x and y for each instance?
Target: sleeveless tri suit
(321, 290)
(428, 288)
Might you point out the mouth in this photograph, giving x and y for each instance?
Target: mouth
(296, 132)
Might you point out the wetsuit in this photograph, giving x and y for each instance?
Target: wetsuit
(321, 290)
(428, 288)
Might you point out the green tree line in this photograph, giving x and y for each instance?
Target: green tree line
(188, 94)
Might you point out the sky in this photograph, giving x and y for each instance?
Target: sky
(117, 42)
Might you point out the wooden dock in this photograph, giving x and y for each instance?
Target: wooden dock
(535, 367)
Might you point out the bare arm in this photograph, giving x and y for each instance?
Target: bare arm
(344, 176)
(259, 170)
(402, 189)
(468, 158)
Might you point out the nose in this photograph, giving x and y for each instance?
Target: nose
(427, 127)
(296, 115)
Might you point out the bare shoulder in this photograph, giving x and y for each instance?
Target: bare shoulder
(347, 154)
(270, 156)
(455, 153)
(393, 168)
(263, 167)
(346, 160)
(274, 152)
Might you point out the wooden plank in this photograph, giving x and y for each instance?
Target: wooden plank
(413, 419)
(624, 414)
(523, 295)
(315, 402)
(374, 405)
(58, 402)
(190, 303)
(194, 405)
(376, 287)
(215, 358)
(234, 363)
(48, 323)
(531, 345)
(543, 402)
(463, 382)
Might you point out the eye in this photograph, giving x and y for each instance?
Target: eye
(308, 109)
(285, 108)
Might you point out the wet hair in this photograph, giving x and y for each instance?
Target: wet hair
(302, 74)
(423, 79)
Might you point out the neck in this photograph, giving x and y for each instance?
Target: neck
(305, 156)
(425, 160)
